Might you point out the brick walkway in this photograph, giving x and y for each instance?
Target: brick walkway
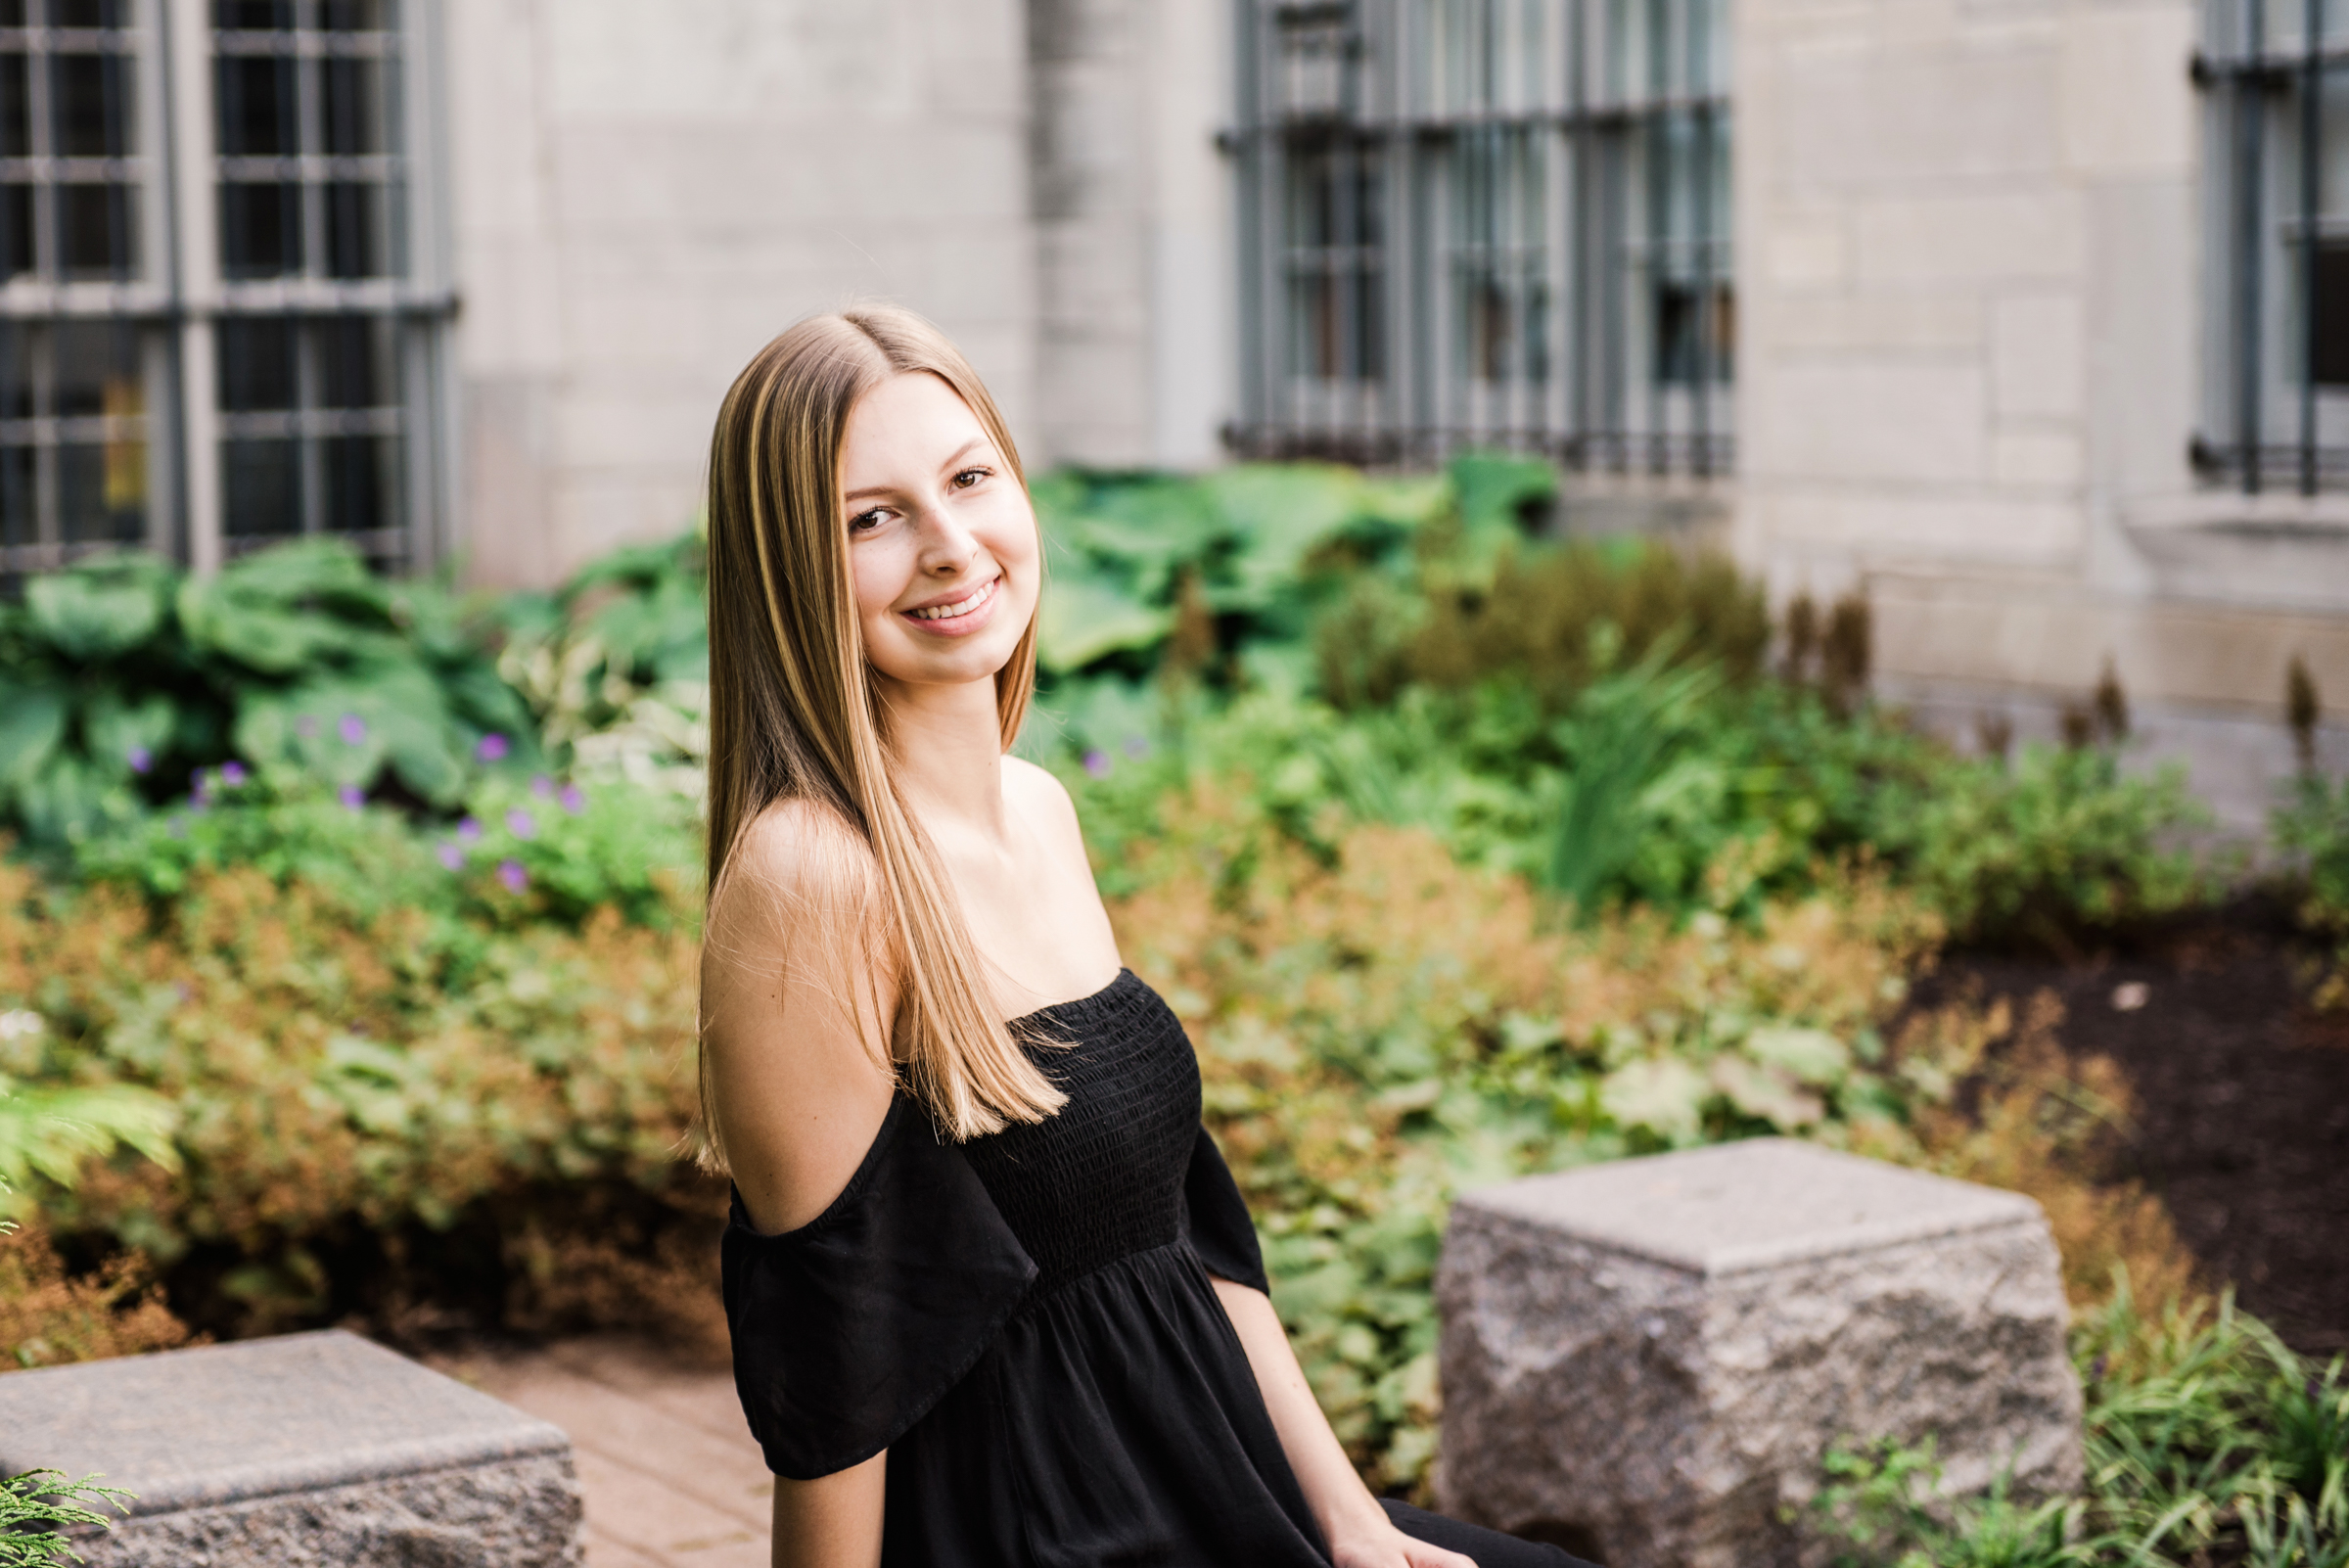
(672, 1477)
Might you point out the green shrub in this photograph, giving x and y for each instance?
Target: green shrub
(125, 675)
(2062, 841)
(616, 666)
(1537, 618)
(38, 1507)
(1378, 1028)
(2310, 830)
(526, 849)
(2206, 1439)
(348, 1074)
(1663, 785)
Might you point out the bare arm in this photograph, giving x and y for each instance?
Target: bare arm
(833, 1522)
(795, 1048)
(1358, 1529)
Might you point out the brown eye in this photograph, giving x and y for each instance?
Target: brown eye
(865, 522)
(968, 477)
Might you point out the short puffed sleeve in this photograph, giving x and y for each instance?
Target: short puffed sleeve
(847, 1330)
(1221, 1231)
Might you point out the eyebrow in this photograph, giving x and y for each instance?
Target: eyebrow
(960, 452)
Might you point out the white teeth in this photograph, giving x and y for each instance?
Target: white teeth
(960, 608)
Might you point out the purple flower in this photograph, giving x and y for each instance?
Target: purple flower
(305, 725)
(1135, 746)
(573, 800)
(140, 758)
(1096, 763)
(511, 873)
(352, 729)
(351, 795)
(200, 802)
(452, 856)
(522, 824)
(232, 774)
(490, 748)
(544, 787)
(470, 829)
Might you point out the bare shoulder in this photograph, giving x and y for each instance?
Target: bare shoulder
(1044, 800)
(795, 854)
(796, 996)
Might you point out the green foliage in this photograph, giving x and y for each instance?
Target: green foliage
(1884, 1501)
(340, 1067)
(2310, 829)
(2063, 839)
(125, 675)
(616, 666)
(1253, 549)
(2206, 1439)
(524, 850)
(38, 1507)
(1666, 785)
(1379, 1027)
(1552, 618)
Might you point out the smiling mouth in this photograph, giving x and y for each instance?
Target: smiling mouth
(977, 599)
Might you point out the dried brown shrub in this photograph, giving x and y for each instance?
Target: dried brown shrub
(340, 1074)
(50, 1316)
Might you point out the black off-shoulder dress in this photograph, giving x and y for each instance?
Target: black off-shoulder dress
(1025, 1323)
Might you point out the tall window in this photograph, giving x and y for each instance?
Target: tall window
(84, 357)
(2276, 412)
(218, 321)
(1498, 223)
(313, 230)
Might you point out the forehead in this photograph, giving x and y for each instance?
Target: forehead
(912, 416)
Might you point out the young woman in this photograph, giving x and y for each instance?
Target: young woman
(995, 1295)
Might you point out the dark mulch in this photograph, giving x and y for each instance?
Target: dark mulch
(2242, 1100)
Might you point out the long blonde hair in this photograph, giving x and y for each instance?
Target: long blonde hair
(795, 716)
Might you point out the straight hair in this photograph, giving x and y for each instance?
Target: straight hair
(795, 714)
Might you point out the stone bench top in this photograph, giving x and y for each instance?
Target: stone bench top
(229, 1423)
(1763, 1203)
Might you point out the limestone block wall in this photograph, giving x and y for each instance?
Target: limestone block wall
(1134, 311)
(642, 196)
(1971, 247)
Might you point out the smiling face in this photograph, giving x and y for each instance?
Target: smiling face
(942, 539)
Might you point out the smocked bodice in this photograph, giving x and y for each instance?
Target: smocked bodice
(1104, 1177)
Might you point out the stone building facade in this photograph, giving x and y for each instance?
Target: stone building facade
(2029, 316)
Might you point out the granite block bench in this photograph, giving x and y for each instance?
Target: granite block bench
(1646, 1359)
(305, 1450)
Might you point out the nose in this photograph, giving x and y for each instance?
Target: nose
(946, 548)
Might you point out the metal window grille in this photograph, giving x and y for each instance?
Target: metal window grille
(1486, 222)
(83, 357)
(2276, 406)
(314, 350)
(220, 302)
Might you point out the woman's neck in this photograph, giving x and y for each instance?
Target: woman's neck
(946, 751)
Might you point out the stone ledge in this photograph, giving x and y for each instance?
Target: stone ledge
(1751, 1205)
(306, 1448)
(1650, 1358)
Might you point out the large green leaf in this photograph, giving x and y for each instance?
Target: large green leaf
(53, 1130)
(347, 727)
(1087, 618)
(1499, 492)
(322, 572)
(68, 799)
(1279, 515)
(32, 723)
(99, 608)
(118, 732)
(292, 607)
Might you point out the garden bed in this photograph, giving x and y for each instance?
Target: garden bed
(2241, 1122)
